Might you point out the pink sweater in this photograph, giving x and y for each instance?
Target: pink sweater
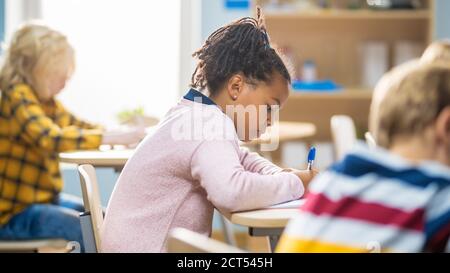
(171, 182)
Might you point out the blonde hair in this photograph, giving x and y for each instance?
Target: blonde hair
(408, 99)
(36, 52)
(437, 52)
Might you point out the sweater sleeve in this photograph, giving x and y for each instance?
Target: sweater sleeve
(230, 187)
(253, 162)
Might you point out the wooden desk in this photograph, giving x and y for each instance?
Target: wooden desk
(104, 157)
(98, 158)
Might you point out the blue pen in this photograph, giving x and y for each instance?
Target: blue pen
(311, 157)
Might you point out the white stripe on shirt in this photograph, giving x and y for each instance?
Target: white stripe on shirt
(353, 233)
(373, 189)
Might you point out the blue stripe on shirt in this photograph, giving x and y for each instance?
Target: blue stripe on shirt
(435, 225)
(355, 166)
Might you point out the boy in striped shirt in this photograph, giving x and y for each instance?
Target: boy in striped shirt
(395, 198)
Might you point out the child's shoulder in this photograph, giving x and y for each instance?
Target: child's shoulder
(203, 122)
(21, 91)
(363, 162)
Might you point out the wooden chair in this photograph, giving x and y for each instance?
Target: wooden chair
(92, 219)
(182, 240)
(343, 133)
(370, 140)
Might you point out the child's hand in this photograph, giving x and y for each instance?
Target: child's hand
(305, 175)
(128, 137)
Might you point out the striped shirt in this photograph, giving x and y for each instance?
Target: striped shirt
(374, 201)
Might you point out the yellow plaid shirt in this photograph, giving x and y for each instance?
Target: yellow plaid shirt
(32, 134)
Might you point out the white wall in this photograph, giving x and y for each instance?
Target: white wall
(191, 22)
(18, 11)
(14, 16)
(127, 55)
(442, 19)
(215, 14)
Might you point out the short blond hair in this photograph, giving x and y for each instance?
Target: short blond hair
(35, 52)
(438, 51)
(408, 99)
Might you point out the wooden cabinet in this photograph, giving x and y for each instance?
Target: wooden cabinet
(319, 108)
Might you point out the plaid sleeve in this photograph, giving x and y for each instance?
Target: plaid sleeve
(37, 129)
(64, 118)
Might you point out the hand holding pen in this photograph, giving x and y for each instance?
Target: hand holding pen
(311, 158)
(306, 175)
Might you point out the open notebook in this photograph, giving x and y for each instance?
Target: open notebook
(288, 205)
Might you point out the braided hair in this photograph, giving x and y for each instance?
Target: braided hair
(240, 47)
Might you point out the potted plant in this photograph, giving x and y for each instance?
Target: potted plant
(136, 117)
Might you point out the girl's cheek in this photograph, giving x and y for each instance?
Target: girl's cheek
(57, 86)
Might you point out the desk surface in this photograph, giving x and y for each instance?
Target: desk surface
(264, 218)
(97, 158)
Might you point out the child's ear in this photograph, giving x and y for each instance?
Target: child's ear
(235, 85)
(443, 126)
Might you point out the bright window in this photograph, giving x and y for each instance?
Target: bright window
(127, 55)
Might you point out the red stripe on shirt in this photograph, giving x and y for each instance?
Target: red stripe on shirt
(350, 207)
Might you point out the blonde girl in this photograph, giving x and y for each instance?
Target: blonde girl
(34, 128)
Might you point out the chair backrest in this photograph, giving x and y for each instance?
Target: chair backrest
(182, 240)
(370, 140)
(37, 246)
(344, 134)
(91, 198)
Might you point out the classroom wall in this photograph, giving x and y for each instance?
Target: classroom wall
(215, 14)
(2, 21)
(442, 22)
(191, 37)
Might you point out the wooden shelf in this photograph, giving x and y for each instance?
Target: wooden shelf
(363, 93)
(318, 108)
(351, 14)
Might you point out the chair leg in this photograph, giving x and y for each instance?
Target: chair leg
(88, 233)
(227, 227)
(74, 247)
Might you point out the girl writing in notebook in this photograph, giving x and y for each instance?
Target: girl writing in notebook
(193, 162)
